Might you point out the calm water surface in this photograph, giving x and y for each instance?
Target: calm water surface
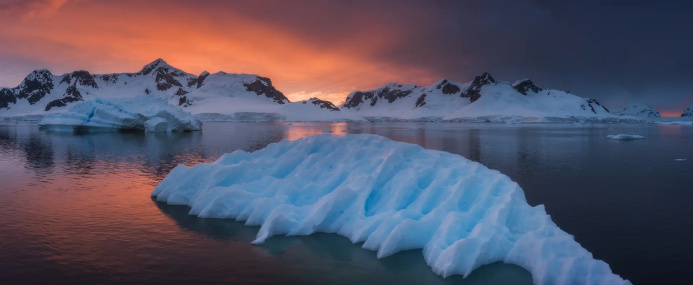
(77, 208)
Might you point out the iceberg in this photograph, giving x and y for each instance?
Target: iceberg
(624, 137)
(147, 113)
(391, 197)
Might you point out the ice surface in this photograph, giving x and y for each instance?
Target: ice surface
(392, 197)
(147, 113)
(624, 137)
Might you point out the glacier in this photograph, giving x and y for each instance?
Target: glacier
(144, 112)
(391, 197)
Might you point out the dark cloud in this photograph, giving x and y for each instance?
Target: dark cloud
(615, 51)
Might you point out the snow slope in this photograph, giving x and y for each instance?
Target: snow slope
(483, 98)
(41, 91)
(638, 110)
(218, 96)
(391, 196)
(147, 112)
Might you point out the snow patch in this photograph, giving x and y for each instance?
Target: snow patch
(392, 197)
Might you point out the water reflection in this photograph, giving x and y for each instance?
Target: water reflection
(329, 256)
(79, 205)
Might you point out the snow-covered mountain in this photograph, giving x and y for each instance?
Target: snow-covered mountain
(688, 112)
(638, 110)
(42, 91)
(484, 97)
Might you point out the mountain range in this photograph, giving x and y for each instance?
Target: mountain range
(226, 96)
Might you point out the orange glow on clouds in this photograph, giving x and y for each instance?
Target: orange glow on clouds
(122, 36)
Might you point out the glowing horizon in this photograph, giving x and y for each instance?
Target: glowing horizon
(309, 49)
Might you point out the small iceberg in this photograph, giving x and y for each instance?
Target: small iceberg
(145, 113)
(326, 131)
(625, 137)
(391, 197)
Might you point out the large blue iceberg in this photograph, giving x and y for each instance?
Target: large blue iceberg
(392, 197)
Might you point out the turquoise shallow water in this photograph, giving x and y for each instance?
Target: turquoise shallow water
(77, 208)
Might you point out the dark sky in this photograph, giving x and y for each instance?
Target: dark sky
(618, 52)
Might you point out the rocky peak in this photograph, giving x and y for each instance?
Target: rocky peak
(389, 92)
(447, 87)
(474, 90)
(158, 63)
(483, 79)
(81, 77)
(688, 112)
(6, 98)
(263, 86)
(35, 86)
(323, 104)
(526, 85)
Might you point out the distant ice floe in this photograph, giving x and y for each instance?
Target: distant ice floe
(147, 113)
(392, 197)
(625, 137)
(680, 159)
(677, 123)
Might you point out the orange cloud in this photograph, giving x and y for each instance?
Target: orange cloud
(118, 36)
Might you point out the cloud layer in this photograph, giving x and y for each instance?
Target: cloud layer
(618, 53)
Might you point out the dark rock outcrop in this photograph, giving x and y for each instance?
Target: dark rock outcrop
(35, 86)
(421, 101)
(6, 98)
(71, 95)
(263, 86)
(80, 77)
(592, 103)
(323, 104)
(473, 92)
(387, 93)
(446, 87)
(525, 86)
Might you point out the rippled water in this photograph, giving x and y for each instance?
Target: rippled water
(77, 208)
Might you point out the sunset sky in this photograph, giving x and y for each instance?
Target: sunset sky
(616, 54)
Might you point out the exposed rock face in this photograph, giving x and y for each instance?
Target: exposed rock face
(688, 112)
(393, 92)
(449, 98)
(263, 86)
(71, 95)
(390, 93)
(7, 97)
(448, 88)
(421, 101)
(474, 90)
(80, 77)
(323, 104)
(35, 86)
(525, 86)
(48, 92)
(592, 104)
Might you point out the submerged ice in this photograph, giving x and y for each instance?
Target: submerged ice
(146, 113)
(392, 197)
